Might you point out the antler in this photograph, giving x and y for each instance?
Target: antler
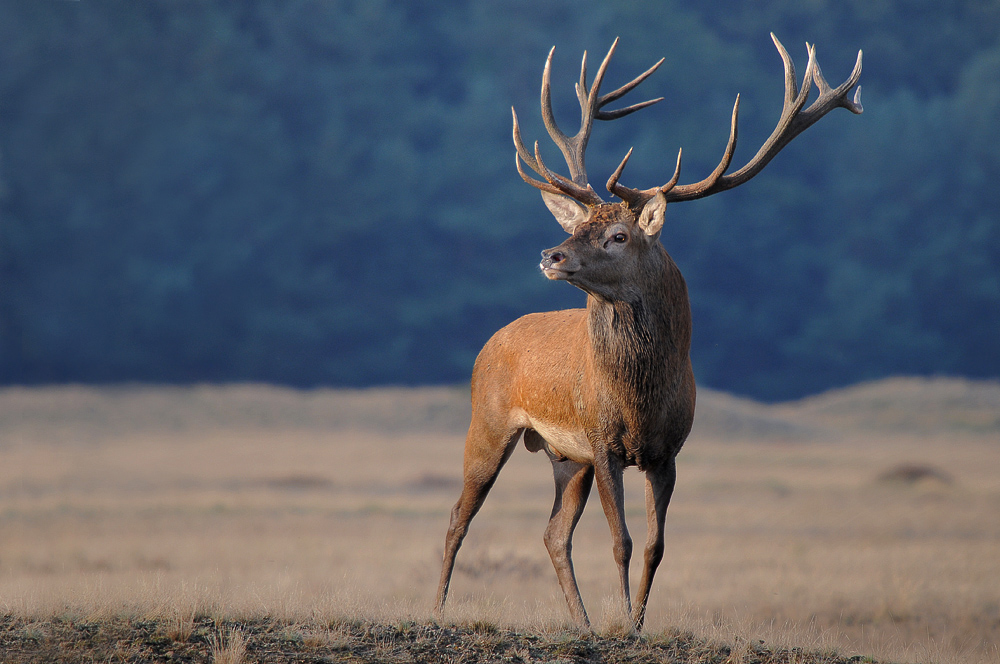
(573, 148)
(793, 121)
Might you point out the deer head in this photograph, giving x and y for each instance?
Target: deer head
(611, 242)
(612, 251)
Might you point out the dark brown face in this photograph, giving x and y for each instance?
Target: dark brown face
(605, 256)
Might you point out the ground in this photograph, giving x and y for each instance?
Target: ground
(308, 525)
(205, 640)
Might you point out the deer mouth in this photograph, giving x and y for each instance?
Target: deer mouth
(555, 273)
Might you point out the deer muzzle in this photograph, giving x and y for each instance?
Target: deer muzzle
(556, 264)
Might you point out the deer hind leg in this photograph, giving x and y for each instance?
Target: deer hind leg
(608, 471)
(573, 482)
(485, 454)
(659, 487)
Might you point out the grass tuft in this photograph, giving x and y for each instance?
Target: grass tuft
(180, 627)
(230, 648)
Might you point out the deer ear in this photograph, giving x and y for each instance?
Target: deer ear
(651, 217)
(567, 212)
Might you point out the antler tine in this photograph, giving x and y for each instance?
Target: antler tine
(538, 184)
(793, 121)
(621, 191)
(519, 145)
(791, 81)
(635, 197)
(676, 176)
(593, 100)
(622, 112)
(622, 91)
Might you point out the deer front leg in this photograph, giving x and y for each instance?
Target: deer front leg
(659, 487)
(608, 473)
(573, 482)
(485, 454)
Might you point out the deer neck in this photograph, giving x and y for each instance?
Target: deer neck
(640, 339)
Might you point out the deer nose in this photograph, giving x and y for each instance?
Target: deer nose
(551, 257)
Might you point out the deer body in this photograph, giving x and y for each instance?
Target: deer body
(610, 386)
(615, 375)
(599, 389)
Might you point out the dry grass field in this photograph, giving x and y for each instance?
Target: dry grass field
(864, 522)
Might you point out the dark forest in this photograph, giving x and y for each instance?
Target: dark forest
(323, 192)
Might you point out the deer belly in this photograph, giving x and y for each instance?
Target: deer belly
(564, 442)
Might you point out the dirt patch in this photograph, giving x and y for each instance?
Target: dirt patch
(915, 473)
(298, 482)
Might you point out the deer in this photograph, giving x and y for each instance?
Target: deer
(609, 386)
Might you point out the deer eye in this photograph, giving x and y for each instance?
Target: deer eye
(620, 237)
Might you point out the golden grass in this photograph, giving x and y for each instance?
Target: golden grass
(229, 647)
(242, 502)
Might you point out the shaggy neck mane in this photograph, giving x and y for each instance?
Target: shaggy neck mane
(637, 340)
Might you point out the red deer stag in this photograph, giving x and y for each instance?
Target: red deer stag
(609, 386)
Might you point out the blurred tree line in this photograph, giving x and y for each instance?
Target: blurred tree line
(323, 191)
